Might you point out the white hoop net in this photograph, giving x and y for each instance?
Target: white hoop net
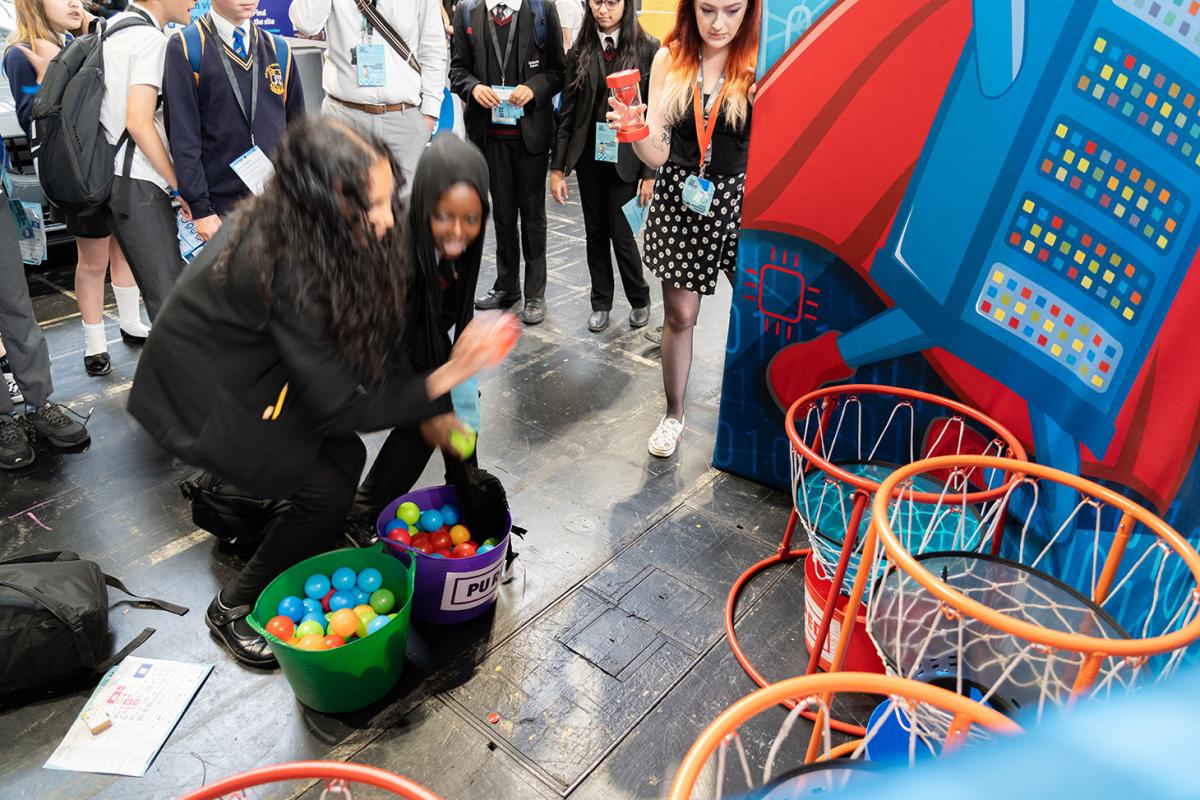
(1054, 543)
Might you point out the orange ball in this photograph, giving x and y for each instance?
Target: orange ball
(343, 622)
(459, 534)
(313, 641)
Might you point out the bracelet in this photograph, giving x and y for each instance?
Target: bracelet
(172, 192)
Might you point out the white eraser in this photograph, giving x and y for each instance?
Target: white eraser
(96, 720)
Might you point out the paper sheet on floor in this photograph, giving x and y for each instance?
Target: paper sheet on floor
(144, 698)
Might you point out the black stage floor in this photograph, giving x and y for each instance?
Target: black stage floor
(605, 657)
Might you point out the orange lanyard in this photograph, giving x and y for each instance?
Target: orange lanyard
(705, 119)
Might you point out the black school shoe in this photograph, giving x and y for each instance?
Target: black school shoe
(15, 450)
(228, 624)
(54, 424)
(97, 365)
(359, 532)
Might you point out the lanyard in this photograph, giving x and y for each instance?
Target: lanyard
(368, 29)
(512, 34)
(706, 128)
(251, 46)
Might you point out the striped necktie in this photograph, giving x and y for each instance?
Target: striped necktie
(239, 43)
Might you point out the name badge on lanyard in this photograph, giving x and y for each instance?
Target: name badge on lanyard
(697, 192)
(606, 143)
(370, 65)
(252, 167)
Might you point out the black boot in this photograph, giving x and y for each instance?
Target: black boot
(228, 624)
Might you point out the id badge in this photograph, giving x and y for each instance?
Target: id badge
(506, 113)
(606, 143)
(465, 398)
(697, 194)
(370, 65)
(190, 243)
(253, 168)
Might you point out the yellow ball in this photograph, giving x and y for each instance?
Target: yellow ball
(363, 609)
(363, 619)
(460, 534)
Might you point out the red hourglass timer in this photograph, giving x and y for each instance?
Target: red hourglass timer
(626, 86)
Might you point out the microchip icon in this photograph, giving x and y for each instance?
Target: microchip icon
(781, 293)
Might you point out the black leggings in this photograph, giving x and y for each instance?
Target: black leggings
(313, 523)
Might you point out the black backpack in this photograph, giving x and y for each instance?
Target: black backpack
(54, 621)
(71, 154)
(232, 515)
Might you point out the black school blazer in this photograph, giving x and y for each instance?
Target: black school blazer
(539, 68)
(219, 355)
(576, 116)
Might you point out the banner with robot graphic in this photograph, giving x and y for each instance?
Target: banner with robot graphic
(997, 202)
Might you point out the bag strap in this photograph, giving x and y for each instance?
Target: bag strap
(394, 40)
(283, 57)
(163, 605)
(539, 22)
(117, 657)
(192, 39)
(66, 616)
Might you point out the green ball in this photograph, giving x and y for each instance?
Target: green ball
(463, 443)
(492, 541)
(409, 512)
(310, 628)
(382, 600)
(363, 619)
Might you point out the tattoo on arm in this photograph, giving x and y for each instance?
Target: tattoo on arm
(663, 145)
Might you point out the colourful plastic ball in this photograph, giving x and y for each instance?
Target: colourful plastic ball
(343, 578)
(343, 623)
(421, 542)
(326, 598)
(333, 641)
(361, 598)
(342, 598)
(382, 600)
(310, 628)
(281, 627)
(483, 548)
(464, 550)
(449, 514)
(463, 443)
(363, 621)
(311, 605)
(316, 586)
(459, 534)
(395, 525)
(430, 520)
(443, 552)
(291, 607)
(438, 554)
(364, 609)
(400, 535)
(370, 579)
(441, 541)
(492, 540)
(312, 642)
(376, 623)
(409, 512)
(314, 616)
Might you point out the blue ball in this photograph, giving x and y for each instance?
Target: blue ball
(483, 548)
(342, 598)
(312, 606)
(343, 578)
(370, 579)
(449, 515)
(436, 555)
(430, 521)
(316, 587)
(315, 616)
(396, 523)
(376, 623)
(361, 598)
(291, 607)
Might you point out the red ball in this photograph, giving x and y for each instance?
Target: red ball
(325, 600)
(421, 542)
(441, 540)
(281, 628)
(443, 552)
(333, 641)
(400, 535)
(465, 550)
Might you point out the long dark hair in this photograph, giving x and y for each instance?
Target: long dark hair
(308, 237)
(631, 44)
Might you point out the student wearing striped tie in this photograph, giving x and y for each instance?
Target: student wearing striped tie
(229, 89)
(610, 175)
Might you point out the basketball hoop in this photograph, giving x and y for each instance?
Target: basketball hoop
(339, 778)
(999, 617)
(839, 437)
(728, 759)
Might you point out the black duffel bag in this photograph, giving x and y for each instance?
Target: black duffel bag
(54, 620)
(230, 514)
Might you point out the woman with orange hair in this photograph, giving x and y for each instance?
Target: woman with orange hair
(698, 112)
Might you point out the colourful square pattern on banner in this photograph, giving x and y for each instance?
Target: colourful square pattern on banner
(1061, 242)
(1089, 166)
(1179, 19)
(1129, 85)
(1025, 309)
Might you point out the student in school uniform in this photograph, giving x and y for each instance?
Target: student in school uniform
(229, 91)
(144, 181)
(511, 50)
(610, 174)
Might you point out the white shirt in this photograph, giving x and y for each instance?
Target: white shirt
(570, 14)
(225, 29)
(134, 57)
(492, 5)
(419, 23)
(615, 36)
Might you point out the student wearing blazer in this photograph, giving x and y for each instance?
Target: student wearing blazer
(517, 154)
(610, 175)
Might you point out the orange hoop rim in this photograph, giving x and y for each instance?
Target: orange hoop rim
(1017, 452)
(820, 684)
(1075, 642)
(300, 770)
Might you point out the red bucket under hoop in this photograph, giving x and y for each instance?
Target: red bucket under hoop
(861, 655)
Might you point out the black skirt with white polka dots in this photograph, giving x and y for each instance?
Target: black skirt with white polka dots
(684, 249)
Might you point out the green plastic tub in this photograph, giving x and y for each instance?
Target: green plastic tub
(356, 674)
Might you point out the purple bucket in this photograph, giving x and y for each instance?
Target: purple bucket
(448, 590)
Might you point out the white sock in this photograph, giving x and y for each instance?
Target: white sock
(128, 310)
(94, 339)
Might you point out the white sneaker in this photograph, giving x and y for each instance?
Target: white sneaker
(665, 437)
